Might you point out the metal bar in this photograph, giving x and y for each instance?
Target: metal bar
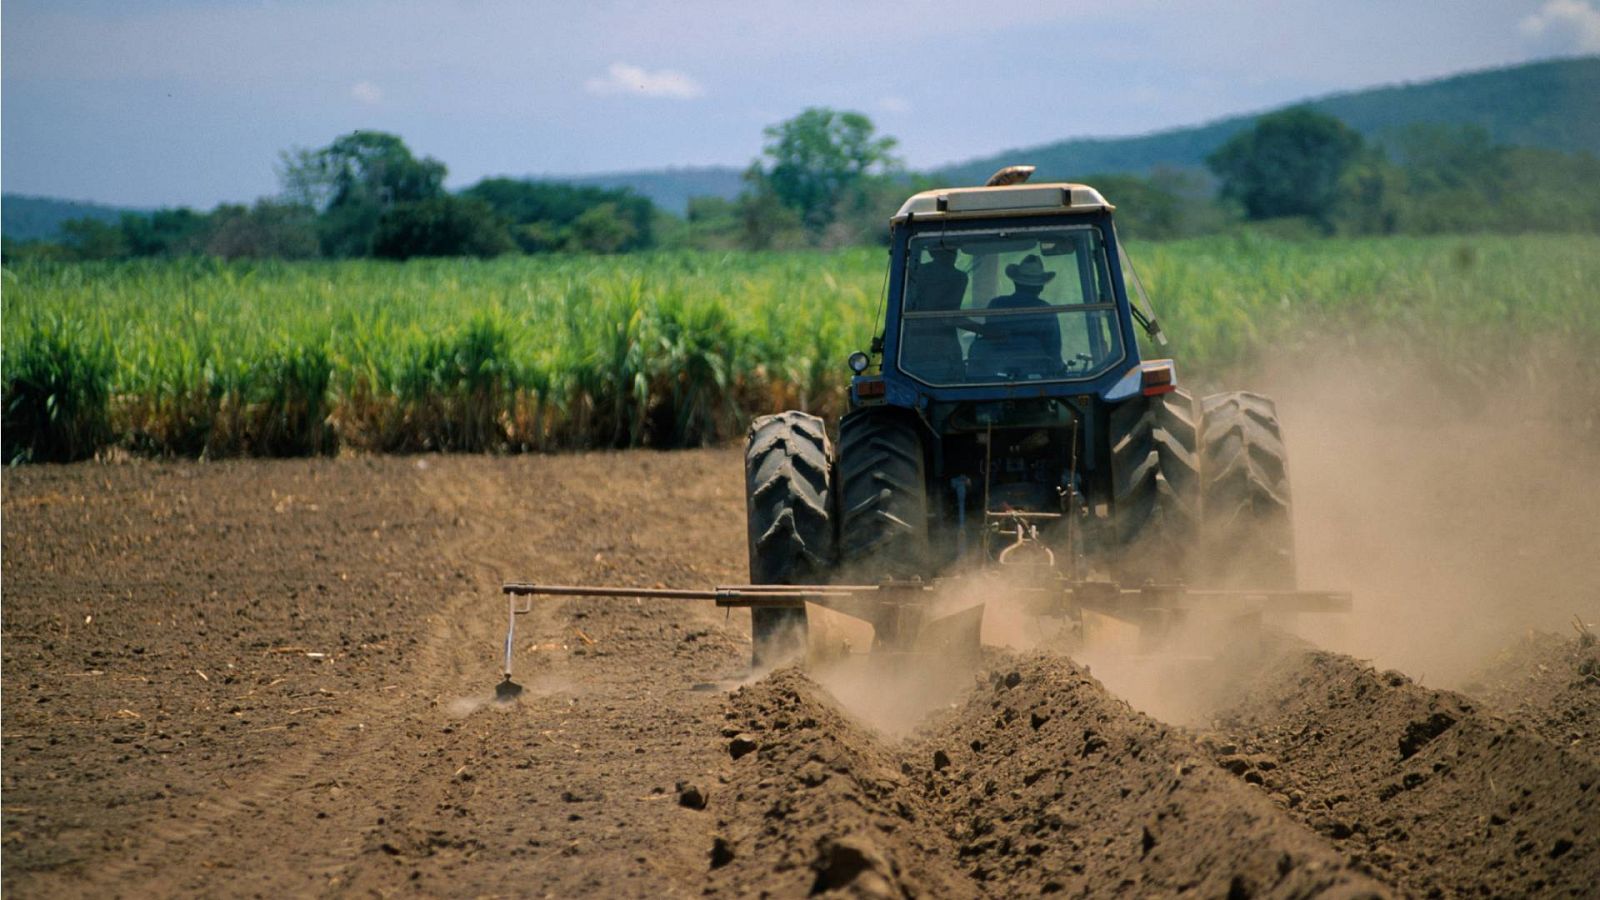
(720, 594)
(570, 590)
(511, 630)
(788, 599)
(1059, 309)
(1091, 590)
(808, 588)
(1164, 595)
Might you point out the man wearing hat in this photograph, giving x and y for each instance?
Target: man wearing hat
(1029, 343)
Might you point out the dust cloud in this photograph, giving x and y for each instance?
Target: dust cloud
(461, 707)
(893, 696)
(534, 686)
(1187, 674)
(894, 692)
(1458, 520)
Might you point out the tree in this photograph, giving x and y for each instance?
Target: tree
(1449, 157)
(268, 230)
(1290, 164)
(1538, 195)
(820, 160)
(765, 222)
(165, 232)
(1373, 193)
(362, 166)
(90, 238)
(601, 229)
(352, 181)
(440, 226)
(546, 215)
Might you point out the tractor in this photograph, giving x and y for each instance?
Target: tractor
(1006, 406)
(1005, 419)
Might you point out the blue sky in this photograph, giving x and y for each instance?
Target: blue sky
(166, 102)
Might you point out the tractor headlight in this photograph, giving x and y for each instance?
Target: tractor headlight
(858, 362)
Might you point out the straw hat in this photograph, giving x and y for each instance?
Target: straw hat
(1030, 272)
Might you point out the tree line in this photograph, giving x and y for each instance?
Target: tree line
(1310, 170)
(367, 195)
(827, 179)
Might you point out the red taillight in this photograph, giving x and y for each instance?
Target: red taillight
(1158, 376)
(869, 387)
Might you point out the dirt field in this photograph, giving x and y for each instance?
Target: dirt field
(269, 678)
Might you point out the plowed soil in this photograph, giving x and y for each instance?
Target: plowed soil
(269, 678)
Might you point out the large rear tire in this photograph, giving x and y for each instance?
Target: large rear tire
(1155, 487)
(791, 538)
(1245, 502)
(883, 503)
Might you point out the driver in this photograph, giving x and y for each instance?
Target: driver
(1032, 341)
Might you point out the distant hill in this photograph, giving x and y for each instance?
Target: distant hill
(27, 218)
(1553, 105)
(670, 189)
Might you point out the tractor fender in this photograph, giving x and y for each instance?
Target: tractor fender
(1125, 388)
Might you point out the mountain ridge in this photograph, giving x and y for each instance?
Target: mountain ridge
(1550, 104)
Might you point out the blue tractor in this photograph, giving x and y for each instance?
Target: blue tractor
(1006, 412)
(1006, 436)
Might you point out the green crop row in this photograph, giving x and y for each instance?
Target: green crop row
(1467, 305)
(202, 358)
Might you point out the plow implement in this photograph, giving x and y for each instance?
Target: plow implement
(943, 618)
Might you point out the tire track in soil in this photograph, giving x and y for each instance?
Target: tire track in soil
(450, 795)
(451, 654)
(570, 791)
(331, 755)
(466, 811)
(456, 657)
(442, 659)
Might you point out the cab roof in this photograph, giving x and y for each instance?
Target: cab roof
(1007, 200)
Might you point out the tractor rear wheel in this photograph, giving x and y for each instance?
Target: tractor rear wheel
(1245, 502)
(883, 503)
(787, 497)
(1155, 487)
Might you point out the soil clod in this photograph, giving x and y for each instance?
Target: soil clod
(690, 796)
(741, 745)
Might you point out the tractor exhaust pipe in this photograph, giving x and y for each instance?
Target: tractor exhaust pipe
(1009, 175)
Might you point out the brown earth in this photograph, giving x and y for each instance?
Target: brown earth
(1430, 790)
(251, 679)
(1550, 684)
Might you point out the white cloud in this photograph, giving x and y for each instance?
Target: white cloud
(367, 92)
(894, 105)
(622, 78)
(1574, 22)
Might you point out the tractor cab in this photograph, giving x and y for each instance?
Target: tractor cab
(1003, 292)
